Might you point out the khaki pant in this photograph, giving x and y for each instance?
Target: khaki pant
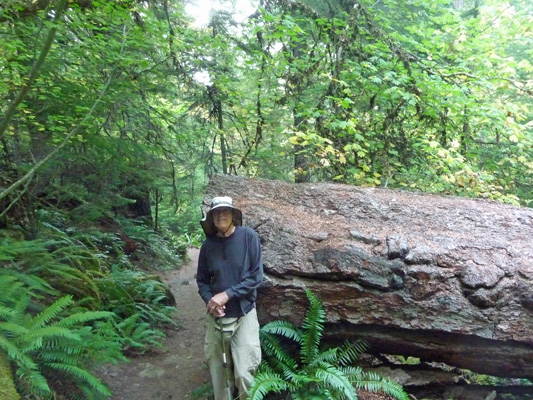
(243, 354)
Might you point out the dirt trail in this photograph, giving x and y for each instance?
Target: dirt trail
(178, 370)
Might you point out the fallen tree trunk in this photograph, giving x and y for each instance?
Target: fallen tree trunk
(441, 278)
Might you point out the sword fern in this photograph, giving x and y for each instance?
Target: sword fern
(46, 346)
(315, 372)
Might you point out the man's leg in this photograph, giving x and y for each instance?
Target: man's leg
(214, 354)
(246, 352)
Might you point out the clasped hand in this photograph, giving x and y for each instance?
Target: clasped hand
(217, 305)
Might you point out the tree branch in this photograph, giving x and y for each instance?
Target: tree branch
(34, 70)
(72, 132)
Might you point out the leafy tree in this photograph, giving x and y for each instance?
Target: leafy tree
(99, 111)
(407, 104)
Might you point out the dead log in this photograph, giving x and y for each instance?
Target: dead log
(441, 278)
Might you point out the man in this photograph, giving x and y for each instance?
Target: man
(230, 270)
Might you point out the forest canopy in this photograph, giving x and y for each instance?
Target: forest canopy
(114, 114)
(103, 100)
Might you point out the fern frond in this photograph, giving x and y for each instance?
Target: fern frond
(77, 255)
(50, 312)
(351, 351)
(312, 327)
(283, 328)
(139, 335)
(353, 373)
(102, 344)
(373, 382)
(70, 345)
(15, 289)
(39, 343)
(20, 306)
(266, 382)
(11, 249)
(286, 368)
(336, 380)
(13, 281)
(54, 266)
(65, 353)
(6, 312)
(143, 336)
(82, 375)
(11, 329)
(34, 380)
(302, 379)
(82, 318)
(273, 348)
(328, 395)
(156, 313)
(312, 395)
(67, 278)
(323, 373)
(15, 354)
(329, 356)
(38, 335)
(6, 285)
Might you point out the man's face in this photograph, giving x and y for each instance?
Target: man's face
(222, 218)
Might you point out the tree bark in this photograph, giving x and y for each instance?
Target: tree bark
(441, 278)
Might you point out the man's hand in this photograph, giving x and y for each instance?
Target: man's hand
(219, 312)
(216, 305)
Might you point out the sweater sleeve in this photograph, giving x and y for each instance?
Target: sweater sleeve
(252, 276)
(203, 279)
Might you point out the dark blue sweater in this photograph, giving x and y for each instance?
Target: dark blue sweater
(232, 264)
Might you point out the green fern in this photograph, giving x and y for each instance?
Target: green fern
(63, 311)
(283, 328)
(129, 293)
(270, 335)
(61, 265)
(337, 381)
(47, 345)
(350, 352)
(373, 382)
(81, 375)
(312, 328)
(316, 372)
(203, 392)
(137, 336)
(265, 382)
(13, 281)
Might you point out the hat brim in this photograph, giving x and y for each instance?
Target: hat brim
(209, 226)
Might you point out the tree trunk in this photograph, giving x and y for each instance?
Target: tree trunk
(441, 278)
(301, 163)
(220, 122)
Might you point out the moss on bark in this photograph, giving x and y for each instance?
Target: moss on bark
(7, 386)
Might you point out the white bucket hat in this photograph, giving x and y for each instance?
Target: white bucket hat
(219, 202)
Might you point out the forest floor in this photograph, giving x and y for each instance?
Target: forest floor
(179, 369)
(176, 371)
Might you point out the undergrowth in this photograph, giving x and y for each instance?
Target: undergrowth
(73, 300)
